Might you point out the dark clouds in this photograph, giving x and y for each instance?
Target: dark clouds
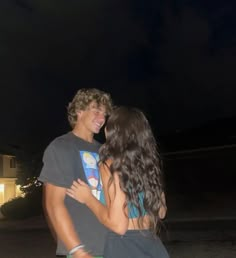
(175, 60)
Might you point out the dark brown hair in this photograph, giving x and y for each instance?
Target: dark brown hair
(131, 146)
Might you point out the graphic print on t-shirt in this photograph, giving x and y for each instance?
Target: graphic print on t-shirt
(90, 166)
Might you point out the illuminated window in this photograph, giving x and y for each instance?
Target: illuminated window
(1, 188)
(1, 193)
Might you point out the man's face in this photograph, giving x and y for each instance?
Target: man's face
(93, 117)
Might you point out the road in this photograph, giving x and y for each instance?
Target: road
(35, 243)
(214, 239)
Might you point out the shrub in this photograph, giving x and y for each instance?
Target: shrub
(24, 207)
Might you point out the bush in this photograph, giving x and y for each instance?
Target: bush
(24, 207)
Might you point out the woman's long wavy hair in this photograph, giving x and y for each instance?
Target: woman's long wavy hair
(131, 146)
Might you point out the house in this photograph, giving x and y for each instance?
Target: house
(8, 170)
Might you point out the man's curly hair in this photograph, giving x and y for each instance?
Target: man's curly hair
(83, 98)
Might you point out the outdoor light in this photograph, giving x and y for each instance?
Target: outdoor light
(1, 194)
(1, 188)
(18, 191)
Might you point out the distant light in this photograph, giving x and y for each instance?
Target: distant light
(1, 188)
(18, 191)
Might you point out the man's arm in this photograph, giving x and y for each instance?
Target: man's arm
(60, 219)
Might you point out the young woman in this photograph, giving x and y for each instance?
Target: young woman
(134, 200)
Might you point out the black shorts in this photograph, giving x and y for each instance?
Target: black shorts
(134, 244)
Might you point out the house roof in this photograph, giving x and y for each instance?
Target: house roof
(8, 150)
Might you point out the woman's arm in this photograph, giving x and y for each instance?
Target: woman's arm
(117, 215)
(112, 215)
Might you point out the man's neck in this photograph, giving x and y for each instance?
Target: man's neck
(86, 136)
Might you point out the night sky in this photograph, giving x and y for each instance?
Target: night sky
(173, 59)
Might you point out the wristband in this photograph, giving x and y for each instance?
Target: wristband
(74, 249)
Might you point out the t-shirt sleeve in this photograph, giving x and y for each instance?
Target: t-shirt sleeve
(56, 169)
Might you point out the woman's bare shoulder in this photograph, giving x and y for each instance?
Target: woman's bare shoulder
(105, 165)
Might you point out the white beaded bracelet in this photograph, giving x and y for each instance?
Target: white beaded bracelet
(74, 249)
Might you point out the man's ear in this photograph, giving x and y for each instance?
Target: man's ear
(79, 113)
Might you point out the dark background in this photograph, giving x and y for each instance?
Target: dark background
(173, 59)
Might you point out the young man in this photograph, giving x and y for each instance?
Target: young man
(67, 158)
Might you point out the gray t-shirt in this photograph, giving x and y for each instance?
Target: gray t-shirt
(68, 158)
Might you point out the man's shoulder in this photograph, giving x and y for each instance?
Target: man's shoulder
(60, 142)
(69, 141)
(67, 137)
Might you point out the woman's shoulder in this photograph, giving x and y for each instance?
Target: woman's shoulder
(107, 163)
(105, 166)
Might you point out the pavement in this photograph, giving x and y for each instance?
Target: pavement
(192, 230)
(31, 238)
